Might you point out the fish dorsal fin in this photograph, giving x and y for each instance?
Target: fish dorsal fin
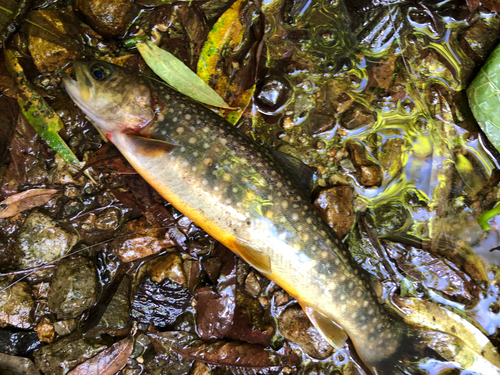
(151, 147)
(332, 332)
(253, 256)
(299, 173)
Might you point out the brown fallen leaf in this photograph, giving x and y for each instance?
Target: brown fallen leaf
(221, 353)
(109, 361)
(24, 201)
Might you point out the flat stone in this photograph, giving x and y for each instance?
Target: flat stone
(73, 288)
(42, 241)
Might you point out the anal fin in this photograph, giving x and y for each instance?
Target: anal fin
(253, 256)
(332, 332)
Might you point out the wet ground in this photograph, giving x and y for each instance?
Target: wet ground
(100, 268)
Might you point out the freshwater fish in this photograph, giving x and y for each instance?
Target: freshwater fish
(242, 195)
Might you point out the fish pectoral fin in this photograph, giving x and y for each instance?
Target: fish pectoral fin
(151, 147)
(332, 332)
(253, 256)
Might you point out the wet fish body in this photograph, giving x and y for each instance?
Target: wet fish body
(240, 194)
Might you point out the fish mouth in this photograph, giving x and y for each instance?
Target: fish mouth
(78, 85)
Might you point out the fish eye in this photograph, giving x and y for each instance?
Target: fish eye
(100, 72)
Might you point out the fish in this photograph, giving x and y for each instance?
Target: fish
(246, 197)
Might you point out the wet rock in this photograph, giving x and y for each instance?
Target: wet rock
(58, 48)
(272, 94)
(16, 305)
(391, 154)
(357, 116)
(65, 327)
(17, 365)
(65, 173)
(367, 171)
(62, 356)
(336, 207)
(108, 17)
(296, 327)
(144, 240)
(252, 284)
(18, 343)
(115, 320)
(159, 304)
(109, 219)
(391, 217)
(45, 330)
(73, 287)
(168, 267)
(42, 241)
(281, 297)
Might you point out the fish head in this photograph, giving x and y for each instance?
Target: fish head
(114, 98)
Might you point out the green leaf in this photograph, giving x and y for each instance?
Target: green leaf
(178, 75)
(484, 98)
(38, 113)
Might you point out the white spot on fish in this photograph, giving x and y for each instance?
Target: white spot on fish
(192, 140)
(228, 201)
(204, 182)
(308, 220)
(163, 132)
(365, 303)
(195, 154)
(295, 216)
(183, 149)
(206, 129)
(175, 119)
(206, 145)
(223, 141)
(216, 188)
(187, 117)
(324, 254)
(235, 190)
(185, 163)
(314, 247)
(279, 184)
(284, 204)
(194, 169)
(161, 117)
(167, 97)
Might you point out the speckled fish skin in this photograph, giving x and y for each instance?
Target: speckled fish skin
(236, 191)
